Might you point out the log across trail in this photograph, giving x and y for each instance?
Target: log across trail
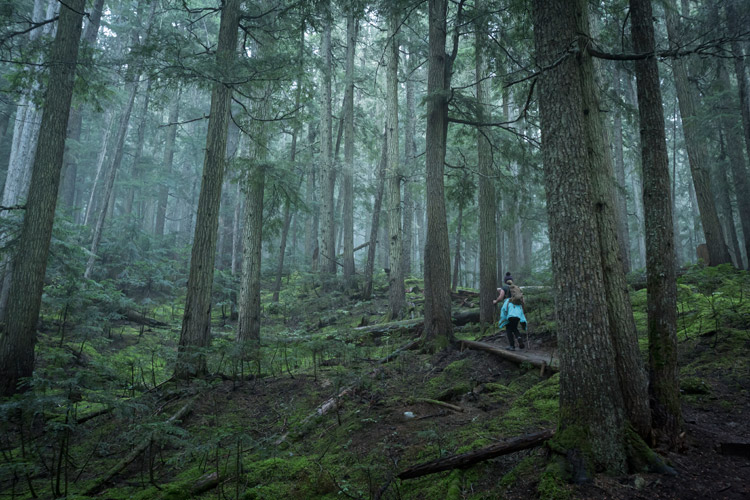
(540, 359)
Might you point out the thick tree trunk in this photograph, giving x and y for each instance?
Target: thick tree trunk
(596, 428)
(29, 265)
(624, 337)
(487, 205)
(396, 292)
(696, 149)
(196, 322)
(169, 149)
(248, 326)
(660, 270)
(375, 224)
(348, 177)
(437, 304)
(327, 236)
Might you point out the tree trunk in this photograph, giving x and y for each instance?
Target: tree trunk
(348, 177)
(660, 270)
(410, 163)
(70, 170)
(136, 171)
(457, 252)
(111, 175)
(327, 241)
(723, 200)
(487, 205)
(196, 322)
(740, 69)
(169, 150)
(696, 149)
(623, 232)
(736, 159)
(623, 334)
(596, 428)
(396, 292)
(90, 206)
(437, 304)
(375, 224)
(30, 263)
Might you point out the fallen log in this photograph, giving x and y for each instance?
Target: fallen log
(119, 466)
(440, 403)
(411, 345)
(459, 318)
(136, 317)
(519, 357)
(476, 456)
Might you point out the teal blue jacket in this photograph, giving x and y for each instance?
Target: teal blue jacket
(510, 310)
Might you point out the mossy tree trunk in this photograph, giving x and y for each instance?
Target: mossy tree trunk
(624, 337)
(592, 411)
(437, 301)
(30, 263)
(660, 270)
(196, 322)
(396, 292)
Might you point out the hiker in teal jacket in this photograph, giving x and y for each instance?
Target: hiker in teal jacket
(511, 315)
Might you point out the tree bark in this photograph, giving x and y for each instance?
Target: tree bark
(410, 162)
(396, 292)
(30, 263)
(660, 270)
(696, 149)
(375, 224)
(457, 251)
(327, 236)
(740, 70)
(169, 150)
(472, 457)
(348, 177)
(135, 170)
(437, 307)
(596, 428)
(109, 182)
(196, 322)
(624, 337)
(723, 199)
(75, 122)
(737, 163)
(623, 231)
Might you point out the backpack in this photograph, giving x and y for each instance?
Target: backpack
(516, 295)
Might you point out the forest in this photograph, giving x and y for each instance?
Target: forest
(392, 249)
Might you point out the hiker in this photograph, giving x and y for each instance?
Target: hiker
(504, 292)
(511, 313)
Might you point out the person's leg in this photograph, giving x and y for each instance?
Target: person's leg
(512, 332)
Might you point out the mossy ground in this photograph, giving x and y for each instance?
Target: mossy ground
(256, 427)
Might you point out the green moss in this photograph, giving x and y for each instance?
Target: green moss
(694, 385)
(553, 483)
(293, 477)
(523, 468)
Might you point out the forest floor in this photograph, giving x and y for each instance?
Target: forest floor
(327, 420)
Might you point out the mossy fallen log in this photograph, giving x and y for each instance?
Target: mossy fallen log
(476, 456)
(459, 318)
(542, 361)
(135, 452)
